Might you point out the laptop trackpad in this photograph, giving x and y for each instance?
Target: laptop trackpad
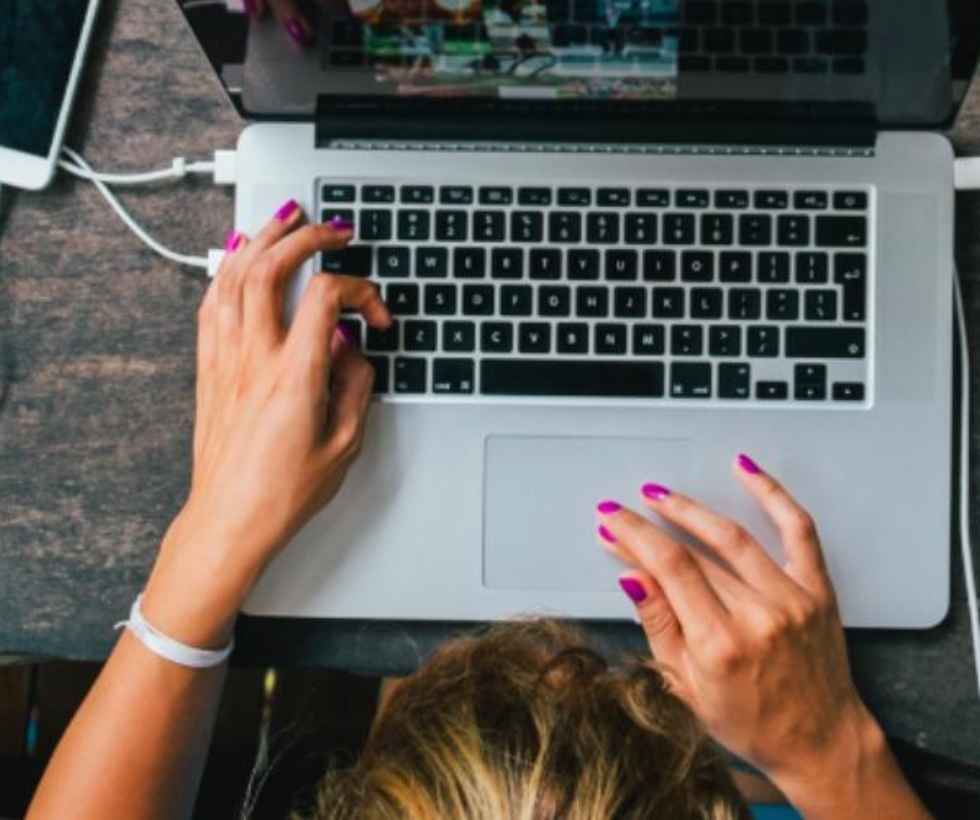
(539, 519)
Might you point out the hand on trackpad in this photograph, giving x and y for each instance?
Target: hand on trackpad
(539, 500)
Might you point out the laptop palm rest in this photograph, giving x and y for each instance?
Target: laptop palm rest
(540, 494)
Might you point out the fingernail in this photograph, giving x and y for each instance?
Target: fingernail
(608, 507)
(634, 589)
(655, 492)
(296, 30)
(250, 9)
(606, 536)
(233, 241)
(287, 210)
(346, 334)
(339, 224)
(748, 464)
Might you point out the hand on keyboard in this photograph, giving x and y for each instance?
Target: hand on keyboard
(756, 649)
(280, 414)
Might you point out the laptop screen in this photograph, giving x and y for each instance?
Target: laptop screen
(875, 61)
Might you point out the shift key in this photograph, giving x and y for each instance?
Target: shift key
(825, 342)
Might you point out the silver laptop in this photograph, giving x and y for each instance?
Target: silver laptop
(624, 242)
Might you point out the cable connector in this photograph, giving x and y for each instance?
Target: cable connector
(966, 173)
(225, 167)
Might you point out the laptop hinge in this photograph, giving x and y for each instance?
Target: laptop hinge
(558, 124)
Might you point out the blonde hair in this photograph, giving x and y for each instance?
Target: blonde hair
(527, 722)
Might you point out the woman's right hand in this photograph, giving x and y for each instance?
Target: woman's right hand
(757, 649)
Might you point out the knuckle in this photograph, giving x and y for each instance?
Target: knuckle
(772, 629)
(800, 524)
(734, 536)
(723, 654)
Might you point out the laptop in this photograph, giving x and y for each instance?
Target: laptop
(624, 240)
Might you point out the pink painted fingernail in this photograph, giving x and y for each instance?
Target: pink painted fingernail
(634, 589)
(655, 492)
(298, 32)
(748, 464)
(233, 241)
(606, 536)
(608, 507)
(250, 8)
(346, 334)
(339, 224)
(287, 210)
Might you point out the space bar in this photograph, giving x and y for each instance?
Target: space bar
(556, 377)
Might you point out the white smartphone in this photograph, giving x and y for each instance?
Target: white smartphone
(42, 47)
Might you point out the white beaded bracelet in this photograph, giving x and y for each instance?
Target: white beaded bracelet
(169, 648)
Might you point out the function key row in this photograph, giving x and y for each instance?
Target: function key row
(577, 197)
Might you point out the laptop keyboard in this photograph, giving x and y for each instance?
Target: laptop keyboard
(667, 293)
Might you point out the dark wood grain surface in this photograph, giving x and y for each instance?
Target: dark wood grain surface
(96, 389)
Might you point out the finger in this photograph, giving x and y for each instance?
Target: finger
(351, 381)
(801, 544)
(658, 620)
(266, 278)
(726, 538)
(254, 8)
(698, 608)
(284, 221)
(293, 21)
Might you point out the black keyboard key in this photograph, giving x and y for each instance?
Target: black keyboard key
(621, 266)
(378, 194)
(413, 225)
(409, 375)
(771, 200)
(489, 226)
(701, 12)
(756, 41)
(744, 304)
(354, 260)
(393, 261)
(725, 340)
(697, 266)
(641, 229)
(774, 13)
(659, 266)
(810, 382)
(737, 13)
(526, 226)
(782, 305)
(850, 12)
(772, 65)
(716, 229)
(629, 303)
(469, 263)
(690, 380)
(810, 200)
(762, 341)
(793, 230)
(649, 340)
(494, 195)
(562, 377)
(811, 268)
(842, 41)
(706, 303)
(754, 229)
(792, 41)
(516, 300)
(534, 196)
(382, 369)
(402, 299)
(453, 376)
(731, 199)
(773, 267)
(583, 265)
(431, 263)
(330, 213)
(497, 337)
(850, 201)
(374, 225)
(418, 194)
(810, 65)
(610, 339)
(592, 302)
(842, 231)
(554, 301)
(772, 390)
(692, 198)
(734, 381)
(848, 391)
(420, 335)
(851, 273)
(613, 197)
(825, 342)
(849, 65)
(533, 337)
(668, 303)
(456, 195)
(478, 300)
(384, 341)
(564, 227)
(459, 337)
(451, 226)
(602, 228)
(578, 197)
(545, 264)
(820, 305)
(678, 229)
(337, 193)
(653, 198)
(686, 340)
(572, 337)
(732, 65)
(735, 266)
(507, 263)
(719, 40)
(440, 300)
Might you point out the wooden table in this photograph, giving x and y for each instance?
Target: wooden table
(96, 396)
